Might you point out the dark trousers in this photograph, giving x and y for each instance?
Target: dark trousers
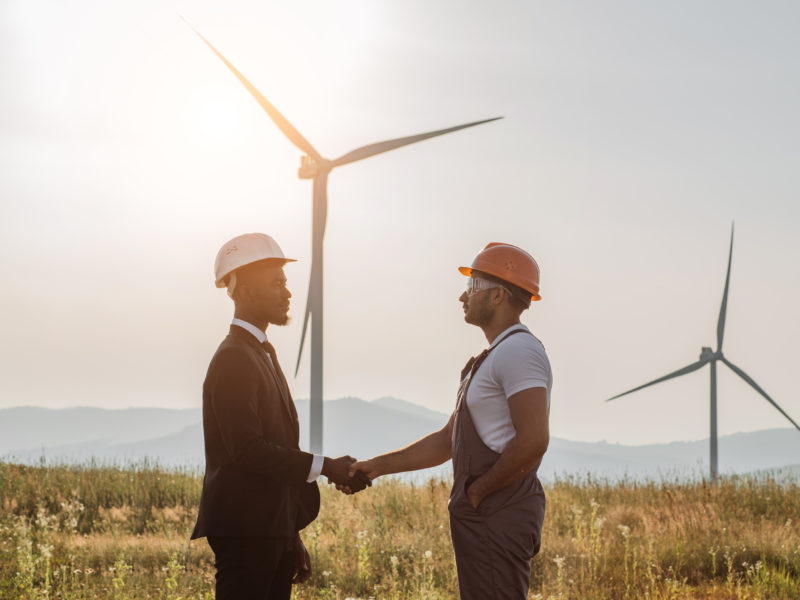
(253, 568)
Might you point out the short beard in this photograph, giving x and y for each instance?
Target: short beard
(479, 315)
(281, 321)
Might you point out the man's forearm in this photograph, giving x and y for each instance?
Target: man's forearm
(516, 460)
(430, 451)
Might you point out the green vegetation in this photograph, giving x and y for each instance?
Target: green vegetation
(108, 532)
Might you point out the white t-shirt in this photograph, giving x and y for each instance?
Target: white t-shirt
(517, 363)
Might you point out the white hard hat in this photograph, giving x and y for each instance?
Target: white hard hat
(243, 250)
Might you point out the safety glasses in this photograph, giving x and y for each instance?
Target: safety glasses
(478, 284)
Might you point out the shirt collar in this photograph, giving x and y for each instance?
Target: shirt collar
(514, 327)
(257, 333)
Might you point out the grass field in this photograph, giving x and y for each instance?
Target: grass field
(105, 532)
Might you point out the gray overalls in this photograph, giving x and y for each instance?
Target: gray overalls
(494, 543)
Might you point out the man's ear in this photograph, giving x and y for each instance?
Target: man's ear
(497, 295)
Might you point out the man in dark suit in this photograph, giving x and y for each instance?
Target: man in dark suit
(259, 488)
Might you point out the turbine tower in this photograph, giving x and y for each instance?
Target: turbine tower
(710, 357)
(314, 166)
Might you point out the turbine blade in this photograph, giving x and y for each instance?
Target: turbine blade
(756, 387)
(373, 149)
(724, 308)
(283, 124)
(688, 369)
(305, 326)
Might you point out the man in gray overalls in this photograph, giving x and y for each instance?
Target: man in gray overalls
(496, 435)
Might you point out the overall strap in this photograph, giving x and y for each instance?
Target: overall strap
(476, 361)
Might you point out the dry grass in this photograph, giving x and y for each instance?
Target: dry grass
(90, 532)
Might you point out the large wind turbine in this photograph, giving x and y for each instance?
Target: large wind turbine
(314, 166)
(709, 357)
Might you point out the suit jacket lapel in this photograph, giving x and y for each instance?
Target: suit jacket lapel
(283, 386)
(275, 373)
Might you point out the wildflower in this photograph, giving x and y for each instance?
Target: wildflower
(326, 573)
(428, 555)
(594, 503)
(394, 560)
(361, 534)
(559, 560)
(624, 530)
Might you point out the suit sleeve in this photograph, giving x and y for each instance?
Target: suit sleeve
(233, 391)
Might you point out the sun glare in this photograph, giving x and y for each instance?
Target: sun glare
(215, 115)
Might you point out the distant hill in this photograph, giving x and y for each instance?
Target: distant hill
(30, 427)
(362, 429)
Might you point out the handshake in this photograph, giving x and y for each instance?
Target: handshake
(347, 479)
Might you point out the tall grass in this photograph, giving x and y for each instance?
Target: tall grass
(112, 532)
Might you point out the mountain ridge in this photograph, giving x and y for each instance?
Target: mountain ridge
(173, 437)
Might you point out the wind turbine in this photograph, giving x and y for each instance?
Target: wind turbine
(314, 166)
(710, 357)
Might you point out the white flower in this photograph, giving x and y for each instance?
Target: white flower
(559, 560)
(326, 573)
(624, 530)
(394, 560)
(428, 555)
(361, 534)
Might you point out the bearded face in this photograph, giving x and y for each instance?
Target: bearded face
(262, 292)
(477, 307)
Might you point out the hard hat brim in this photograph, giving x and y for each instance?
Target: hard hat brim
(220, 283)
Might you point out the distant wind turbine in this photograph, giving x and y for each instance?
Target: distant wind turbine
(314, 166)
(708, 356)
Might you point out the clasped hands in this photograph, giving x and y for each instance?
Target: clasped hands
(339, 472)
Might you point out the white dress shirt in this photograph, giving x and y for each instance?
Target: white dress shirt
(316, 464)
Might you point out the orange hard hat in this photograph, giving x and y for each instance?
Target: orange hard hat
(509, 263)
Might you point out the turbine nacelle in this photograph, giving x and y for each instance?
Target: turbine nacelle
(707, 354)
(310, 167)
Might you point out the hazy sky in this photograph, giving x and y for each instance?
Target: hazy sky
(633, 134)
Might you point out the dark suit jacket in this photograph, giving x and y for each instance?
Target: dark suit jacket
(255, 479)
